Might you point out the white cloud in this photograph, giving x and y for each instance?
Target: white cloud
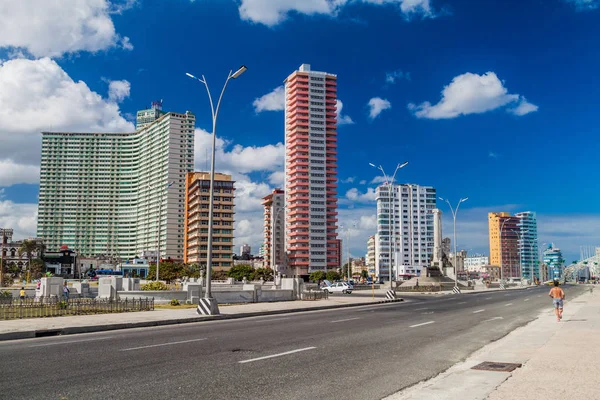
(53, 27)
(271, 12)
(469, 94)
(37, 95)
(274, 101)
(523, 108)
(357, 196)
(363, 182)
(392, 77)
(342, 119)
(378, 179)
(118, 90)
(20, 217)
(491, 154)
(237, 158)
(12, 173)
(350, 179)
(377, 105)
(277, 178)
(583, 5)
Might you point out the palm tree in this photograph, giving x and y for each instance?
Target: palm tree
(29, 247)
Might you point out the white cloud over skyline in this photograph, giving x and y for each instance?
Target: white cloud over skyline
(54, 28)
(471, 94)
(272, 13)
(272, 101)
(377, 105)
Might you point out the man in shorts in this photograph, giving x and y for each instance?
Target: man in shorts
(558, 295)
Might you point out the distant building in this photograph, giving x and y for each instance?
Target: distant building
(196, 219)
(358, 265)
(474, 263)
(504, 243)
(311, 171)
(528, 245)
(10, 249)
(106, 192)
(245, 249)
(274, 231)
(371, 254)
(555, 262)
(407, 235)
(136, 268)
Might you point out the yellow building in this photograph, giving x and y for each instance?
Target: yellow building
(196, 219)
(504, 246)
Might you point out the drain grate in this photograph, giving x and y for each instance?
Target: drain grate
(496, 366)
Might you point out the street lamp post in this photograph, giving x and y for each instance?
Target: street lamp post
(2, 258)
(158, 228)
(454, 212)
(391, 192)
(208, 305)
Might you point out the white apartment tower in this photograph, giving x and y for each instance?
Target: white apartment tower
(404, 229)
(108, 194)
(311, 171)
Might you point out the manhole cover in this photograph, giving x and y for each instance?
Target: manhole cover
(497, 366)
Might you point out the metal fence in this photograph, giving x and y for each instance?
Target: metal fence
(14, 308)
(315, 295)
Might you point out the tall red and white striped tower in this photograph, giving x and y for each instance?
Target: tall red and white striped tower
(311, 171)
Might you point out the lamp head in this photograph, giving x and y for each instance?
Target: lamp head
(239, 72)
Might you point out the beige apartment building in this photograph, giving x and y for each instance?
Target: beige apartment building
(196, 220)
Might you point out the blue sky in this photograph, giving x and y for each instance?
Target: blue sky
(494, 100)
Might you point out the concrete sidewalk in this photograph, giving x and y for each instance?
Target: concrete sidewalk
(559, 360)
(35, 327)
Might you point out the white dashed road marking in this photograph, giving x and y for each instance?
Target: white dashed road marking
(344, 320)
(493, 319)
(509, 304)
(276, 355)
(163, 344)
(478, 311)
(424, 323)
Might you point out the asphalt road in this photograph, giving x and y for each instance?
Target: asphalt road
(354, 353)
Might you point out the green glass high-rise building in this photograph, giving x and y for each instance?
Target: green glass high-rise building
(107, 193)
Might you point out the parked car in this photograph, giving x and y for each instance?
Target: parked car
(338, 287)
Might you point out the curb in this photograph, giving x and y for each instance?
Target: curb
(145, 324)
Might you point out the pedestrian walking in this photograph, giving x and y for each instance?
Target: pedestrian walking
(22, 293)
(66, 291)
(558, 297)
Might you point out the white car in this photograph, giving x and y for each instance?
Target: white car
(338, 287)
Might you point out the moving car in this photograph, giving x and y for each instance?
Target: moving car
(338, 287)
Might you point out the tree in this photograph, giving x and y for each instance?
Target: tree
(332, 276)
(217, 275)
(29, 247)
(265, 273)
(317, 276)
(364, 274)
(239, 272)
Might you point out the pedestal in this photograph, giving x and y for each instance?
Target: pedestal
(208, 306)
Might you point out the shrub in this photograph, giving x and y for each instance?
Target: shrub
(175, 302)
(155, 286)
(5, 294)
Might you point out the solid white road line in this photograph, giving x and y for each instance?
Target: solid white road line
(478, 311)
(422, 308)
(71, 341)
(273, 319)
(276, 355)
(493, 319)
(424, 323)
(344, 320)
(163, 344)
(509, 304)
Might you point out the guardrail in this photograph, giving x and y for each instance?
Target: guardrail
(14, 308)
